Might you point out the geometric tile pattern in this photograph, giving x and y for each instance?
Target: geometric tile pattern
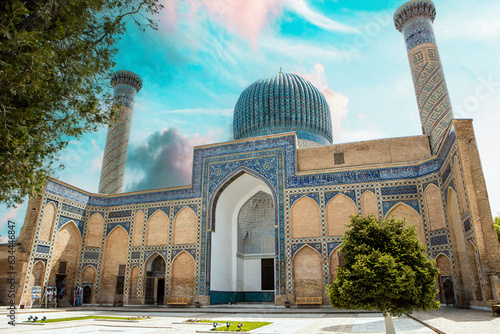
(272, 160)
(414, 20)
(125, 85)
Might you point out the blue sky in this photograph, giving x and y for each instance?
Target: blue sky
(206, 52)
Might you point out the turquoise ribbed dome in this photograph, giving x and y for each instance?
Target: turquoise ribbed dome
(283, 103)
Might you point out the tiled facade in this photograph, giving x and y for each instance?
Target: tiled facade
(441, 193)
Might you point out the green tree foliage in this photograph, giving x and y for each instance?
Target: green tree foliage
(497, 226)
(386, 269)
(55, 61)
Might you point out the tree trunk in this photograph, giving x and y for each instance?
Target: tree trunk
(389, 325)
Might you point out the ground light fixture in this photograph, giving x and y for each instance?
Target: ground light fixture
(228, 324)
(215, 325)
(35, 318)
(44, 318)
(30, 317)
(239, 326)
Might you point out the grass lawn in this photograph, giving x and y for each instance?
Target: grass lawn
(86, 318)
(246, 326)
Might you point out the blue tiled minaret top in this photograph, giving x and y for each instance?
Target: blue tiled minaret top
(283, 103)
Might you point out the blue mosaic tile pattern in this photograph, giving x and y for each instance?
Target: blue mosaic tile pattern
(42, 249)
(280, 104)
(388, 205)
(119, 214)
(91, 255)
(79, 223)
(73, 209)
(439, 240)
(411, 189)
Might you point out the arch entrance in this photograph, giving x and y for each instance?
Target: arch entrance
(243, 243)
(155, 280)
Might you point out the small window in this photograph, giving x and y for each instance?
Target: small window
(338, 158)
(121, 270)
(62, 268)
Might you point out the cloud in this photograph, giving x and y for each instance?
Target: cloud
(165, 159)
(301, 8)
(246, 18)
(10, 215)
(336, 101)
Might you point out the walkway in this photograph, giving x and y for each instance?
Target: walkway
(285, 321)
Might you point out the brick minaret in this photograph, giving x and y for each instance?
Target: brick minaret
(414, 19)
(125, 85)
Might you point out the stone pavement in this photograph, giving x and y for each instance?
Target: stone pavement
(285, 321)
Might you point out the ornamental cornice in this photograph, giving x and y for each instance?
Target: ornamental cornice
(126, 78)
(413, 9)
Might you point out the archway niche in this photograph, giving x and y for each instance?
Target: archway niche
(403, 211)
(338, 214)
(183, 280)
(306, 219)
(114, 260)
(155, 280)
(47, 223)
(434, 204)
(307, 271)
(369, 204)
(243, 243)
(64, 263)
(475, 272)
(459, 248)
(445, 280)
(89, 275)
(133, 291)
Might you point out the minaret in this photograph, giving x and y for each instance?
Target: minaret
(125, 85)
(414, 19)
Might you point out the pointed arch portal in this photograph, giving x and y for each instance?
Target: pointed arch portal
(243, 250)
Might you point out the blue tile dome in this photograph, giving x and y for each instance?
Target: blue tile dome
(283, 103)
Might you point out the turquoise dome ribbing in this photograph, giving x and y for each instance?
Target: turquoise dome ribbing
(283, 103)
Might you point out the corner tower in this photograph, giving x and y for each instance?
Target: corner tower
(125, 85)
(414, 19)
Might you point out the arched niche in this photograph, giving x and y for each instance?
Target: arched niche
(157, 229)
(185, 227)
(64, 261)
(137, 229)
(95, 228)
(183, 280)
(403, 211)
(227, 264)
(306, 219)
(89, 276)
(334, 264)
(154, 285)
(36, 278)
(445, 280)
(114, 255)
(133, 291)
(459, 184)
(47, 222)
(338, 213)
(459, 247)
(476, 279)
(369, 204)
(307, 271)
(434, 205)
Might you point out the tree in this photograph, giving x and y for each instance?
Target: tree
(386, 269)
(497, 226)
(55, 61)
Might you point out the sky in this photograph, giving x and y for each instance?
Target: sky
(206, 52)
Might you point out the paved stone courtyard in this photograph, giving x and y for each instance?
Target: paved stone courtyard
(284, 321)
